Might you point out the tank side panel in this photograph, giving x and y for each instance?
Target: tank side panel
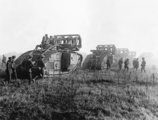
(53, 64)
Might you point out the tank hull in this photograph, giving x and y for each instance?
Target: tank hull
(96, 62)
(56, 62)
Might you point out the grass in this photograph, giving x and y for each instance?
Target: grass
(83, 95)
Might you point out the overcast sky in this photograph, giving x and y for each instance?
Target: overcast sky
(129, 24)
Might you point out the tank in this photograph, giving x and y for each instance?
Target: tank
(60, 56)
(97, 60)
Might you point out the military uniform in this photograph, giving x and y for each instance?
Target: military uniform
(27, 64)
(52, 42)
(9, 69)
(120, 63)
(45, 43)
(126, 64)
(137, 64)
(108, 64)
(4, 60)
(143, 64)
(14, 67)
(40, 64)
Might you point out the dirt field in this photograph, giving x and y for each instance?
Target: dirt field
(83, 95)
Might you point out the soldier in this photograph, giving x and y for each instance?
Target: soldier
(9, 69)
(40, 64)
(4, 60)
(45, 42)
(74, 43)
(47, 39)
(70, 40)
(14, 67)
(27, 64)
(108, 63)
(143, 64)
(42, 43)
(136, 64)
(126, 64)
(120, 62)
(51, 39)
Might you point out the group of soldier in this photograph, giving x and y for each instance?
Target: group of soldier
(120, 64)
(126, 64)
(135, 64)
(27, 66)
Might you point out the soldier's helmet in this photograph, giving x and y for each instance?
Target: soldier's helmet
(13, 57)
(51, 37)
(9, 58)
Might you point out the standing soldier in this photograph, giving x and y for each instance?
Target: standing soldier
(70, 39)
(120, 62)
(9, 69)
(74, 41)
(108, 63)
(28, 67)
(4, 60)
(126, 64)
(40, 64)
(45, 42)
(52, 42)
(143, 64)
(136, 64)
(46, 37)
(14, 67)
